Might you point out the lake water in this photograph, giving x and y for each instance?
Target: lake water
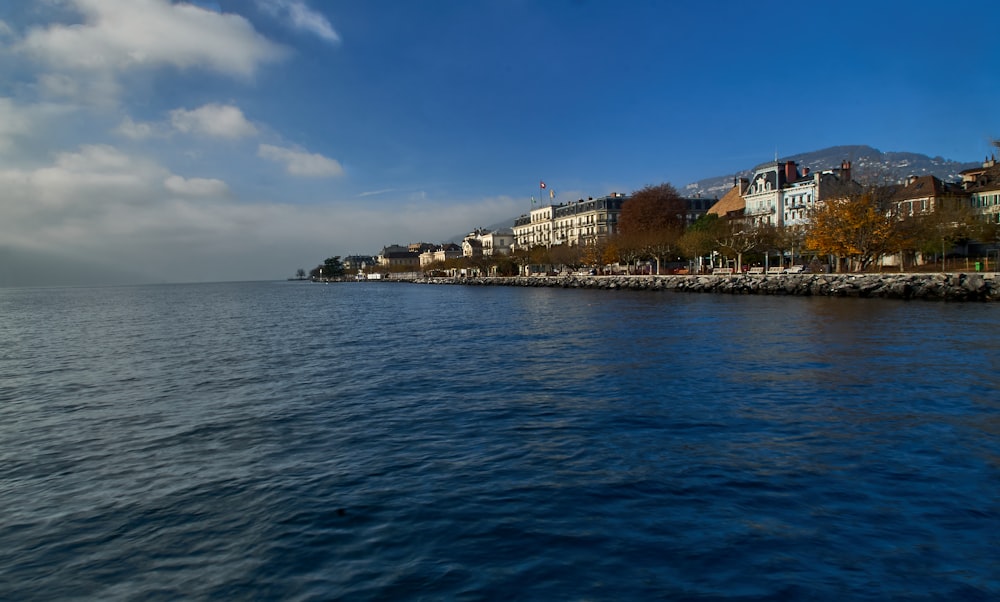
(385, 441)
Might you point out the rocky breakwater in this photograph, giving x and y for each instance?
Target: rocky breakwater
(938, 286)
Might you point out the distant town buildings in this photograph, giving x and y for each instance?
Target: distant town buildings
(983, 187)
(574, 223)
(396, 256)
(492, 242)
(359, 263)
(780, 194)
(440, 254)
(584, 222)
(926, 194)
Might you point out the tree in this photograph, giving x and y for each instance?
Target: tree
(568, 255)
(791, 239)
(697, 243)
(950, 224)
(652, 222)
(537, 255)
(610, 253)
(505, 265)
(300, 273)
(652, 209)
(593, 253)
(331, 268)
(699, 238)
(628, 249)
(739, 238)
(857, 227)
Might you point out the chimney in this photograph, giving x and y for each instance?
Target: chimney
(743, 184)
(845, 170)
(805, 171)
(791, 174)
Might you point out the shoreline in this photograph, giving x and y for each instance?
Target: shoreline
(939, 286)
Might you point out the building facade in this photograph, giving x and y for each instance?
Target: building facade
(584, 222)
(983, 187)
(359, 263)
(926, 194)
(396, 256)
(778, 194)
(440, 254)
(481, 242)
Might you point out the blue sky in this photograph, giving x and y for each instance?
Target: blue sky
(230, 140)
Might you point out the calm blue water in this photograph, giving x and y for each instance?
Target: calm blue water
(377, 441)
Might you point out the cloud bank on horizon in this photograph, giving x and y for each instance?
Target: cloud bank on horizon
(202, 141)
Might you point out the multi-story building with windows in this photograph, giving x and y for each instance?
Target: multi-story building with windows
(584, 222)
(778, 194)
(574, 223)
(983, 187)
(440, 254)
(926, 194)
(488, 242)
(396, 256)
(358, 263)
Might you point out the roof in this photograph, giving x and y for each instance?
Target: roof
(989, 179)
(730, 202)
(923, 187)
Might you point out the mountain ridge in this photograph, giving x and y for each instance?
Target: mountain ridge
(897, 165)
(864, 159)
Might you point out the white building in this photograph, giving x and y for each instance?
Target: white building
(440, 254)
(488, 242)
(574, 223)
(983, 186)
(779, 195)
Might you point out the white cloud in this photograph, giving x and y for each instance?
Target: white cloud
(122, 34)
(92, 177)
(200, 187)
(222, 121)
(138, 130)
(299, 163)
(59, 85)
(215, 120)
(96, 88)
(301, 17)
(377, 192)
(5, 29)
(14, 122)
(125, 211)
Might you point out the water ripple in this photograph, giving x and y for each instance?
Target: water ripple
(377, 441)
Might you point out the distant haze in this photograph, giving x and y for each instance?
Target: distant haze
(223, 140)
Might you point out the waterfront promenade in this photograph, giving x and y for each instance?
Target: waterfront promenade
(957, 286)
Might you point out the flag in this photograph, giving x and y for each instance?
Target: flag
(552, 194)
(541, 184)
(532, 200)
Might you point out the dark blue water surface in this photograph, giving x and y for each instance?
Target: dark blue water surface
(389, 441)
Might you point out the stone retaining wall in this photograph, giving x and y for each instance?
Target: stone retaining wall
(945, 287)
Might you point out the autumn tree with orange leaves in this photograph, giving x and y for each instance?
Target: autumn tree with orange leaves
(857, 228)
